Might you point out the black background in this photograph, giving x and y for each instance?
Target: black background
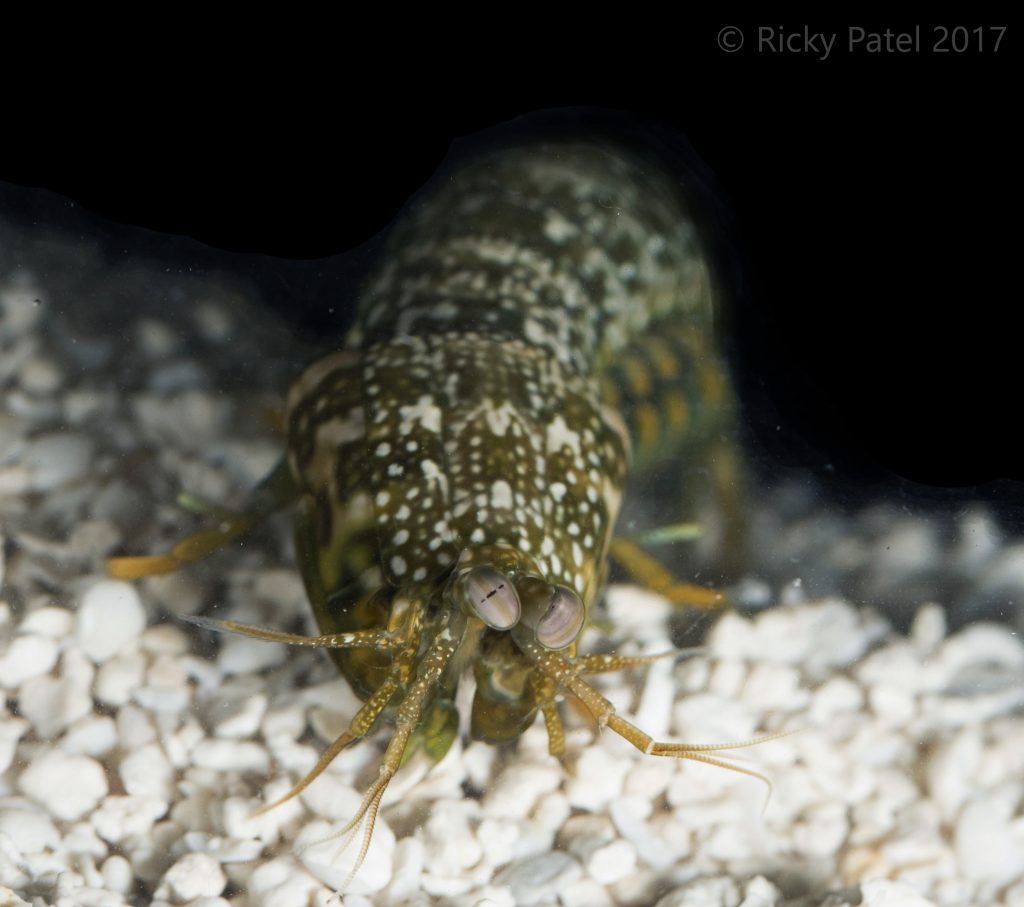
(868, 201)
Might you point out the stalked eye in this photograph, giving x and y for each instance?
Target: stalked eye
(562, 621)
(554, 613)
(486, 593)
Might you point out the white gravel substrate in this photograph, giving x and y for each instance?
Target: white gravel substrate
(135, 750)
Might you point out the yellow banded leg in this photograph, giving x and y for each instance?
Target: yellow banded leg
(563, 672)
(607, 664)
(275, 491)
(544, 689)
(410, 711)
(728, 487)
(358, 728)
(650, 573)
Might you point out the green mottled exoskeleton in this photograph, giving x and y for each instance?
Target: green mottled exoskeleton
(458, 464)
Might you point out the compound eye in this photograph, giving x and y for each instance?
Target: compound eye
(487, 593)
(561, 623)
(554, 613)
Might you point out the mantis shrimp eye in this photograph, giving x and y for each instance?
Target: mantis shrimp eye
(486, 593)
(554, 613)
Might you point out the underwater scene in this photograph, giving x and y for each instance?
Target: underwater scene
(590, 642)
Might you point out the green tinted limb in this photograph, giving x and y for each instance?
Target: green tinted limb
(666, 535)
(358, 728)
(277, 490)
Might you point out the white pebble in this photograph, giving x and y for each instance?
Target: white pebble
(21, 309)
(242, 717)
(727, 677)
(54, 703)
(53, 622)
(239, 655)
(835, 695)
(654, 711)
(981, 644)
(234, 851)
(979, 538)
(649, 778)
(134, 726)
(331, 798)
(729, 842)
(630, 816)
(179, 593)
(539, 878)
(53, 460)
(821, 830)
(166, 671)
(891, 893)
(93, 735)
(499, 839)
(407, 868)
(450, 846)
(549, 816)
(241, 821)
(40, 376)
(707, 892)
(175, 377)
(951, 771)
(68, 786)
(91, 540)
(81, 406)
(31, 830)
(179, 745)
(598, 779)
(231, 755)
(117, 874)
(281, 883)
(908, 547)
(516, 790)
(1014, 896)
(206, 674)
(611, 863)
(892, 703)
(288, 723)
(929, 628)
(987, 847)
(703, 717)
(110, 619)
(156, 338)
(760, 893)
(166, 700)
(212, 321)
(318, 845)
(119, 678)
(1004, 572)
(637, 613)
(145, 772)
(165, 639)
(27, 656)
(585, 893)
(775, 687)
(190, 419)
(195, 875)
(11, 731)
